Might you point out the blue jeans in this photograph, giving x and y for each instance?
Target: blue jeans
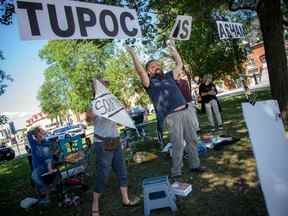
(105, 160)
(38, 181)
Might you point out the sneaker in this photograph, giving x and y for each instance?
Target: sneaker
(220, 127)
(213, 129)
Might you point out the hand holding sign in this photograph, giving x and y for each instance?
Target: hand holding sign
(129, 49)
(107, 106)
(171, 45)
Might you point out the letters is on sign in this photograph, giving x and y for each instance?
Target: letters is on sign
(229, 30)
(66, 19)
(182, 28)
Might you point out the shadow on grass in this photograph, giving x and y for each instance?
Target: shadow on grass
(229, 187)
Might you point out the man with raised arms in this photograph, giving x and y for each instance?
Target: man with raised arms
(171, 108)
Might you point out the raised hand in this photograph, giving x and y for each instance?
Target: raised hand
(173, 51)
(129, 49)
(171, 45)
(138, 66)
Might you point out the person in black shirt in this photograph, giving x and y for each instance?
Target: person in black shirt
(208, 92)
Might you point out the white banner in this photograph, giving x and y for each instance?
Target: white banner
(108, 106)
(66, 19)
(182, 28)
(270, 148)
(229, 30)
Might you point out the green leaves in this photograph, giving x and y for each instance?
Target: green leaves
(124, 83)
(4, 77)
(204, 53)
(74, 63)
(67, 83)
(3, 119)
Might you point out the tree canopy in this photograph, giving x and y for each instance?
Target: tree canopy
(75, 63)
(124, 83)
(72, 66)
(204, 52)
(3, 119)
(53, 95)
(3, 85)
(4, 77)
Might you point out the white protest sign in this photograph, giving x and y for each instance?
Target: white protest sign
(270, 148)
(229, 30)
(182, 28)
(66, 19)
(107, 105)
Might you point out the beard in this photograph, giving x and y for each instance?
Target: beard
(158, 71)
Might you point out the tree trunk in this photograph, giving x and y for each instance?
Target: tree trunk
(271, 20)
(78, 117)
(60, 120)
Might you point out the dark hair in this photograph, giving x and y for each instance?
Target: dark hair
(34, 131)
(148, 63)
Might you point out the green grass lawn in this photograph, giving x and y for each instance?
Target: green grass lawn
(229, 187)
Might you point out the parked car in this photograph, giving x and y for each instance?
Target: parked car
(6, 153)
(137, 114)
(71, 130)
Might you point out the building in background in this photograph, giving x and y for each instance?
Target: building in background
(256, 67)
(42, 119)
(39, 119)
(12, 127)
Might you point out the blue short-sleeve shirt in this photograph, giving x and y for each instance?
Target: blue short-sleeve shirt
(165, 95)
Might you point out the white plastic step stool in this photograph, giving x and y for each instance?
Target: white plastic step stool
(158, 194)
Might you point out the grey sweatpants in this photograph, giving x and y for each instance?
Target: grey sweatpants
(212, 107)
(193, 112)
(180, 128)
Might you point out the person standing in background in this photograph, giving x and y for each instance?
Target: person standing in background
(208, 92)
(195, 82)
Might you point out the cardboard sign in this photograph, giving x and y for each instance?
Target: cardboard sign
(229, 30)
(66, 19)
(182, 28)
(270, 148)
(108, 106)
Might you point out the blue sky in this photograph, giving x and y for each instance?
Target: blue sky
(26, 68)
